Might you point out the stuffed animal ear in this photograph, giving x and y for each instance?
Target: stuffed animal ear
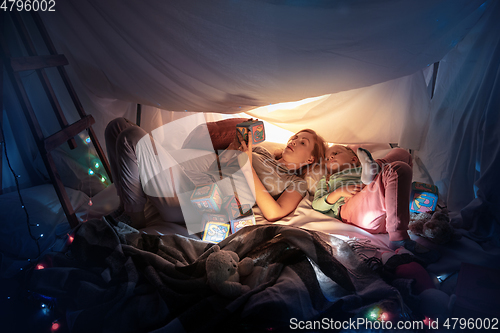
(234, 255)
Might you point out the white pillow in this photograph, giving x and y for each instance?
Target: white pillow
(194, 159)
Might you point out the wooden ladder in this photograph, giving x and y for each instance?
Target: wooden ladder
(38, 62)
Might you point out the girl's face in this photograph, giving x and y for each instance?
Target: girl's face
(339, 158)
(299, 149)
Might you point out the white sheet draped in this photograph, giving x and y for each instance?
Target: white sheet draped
(230, 56)
(365, 58)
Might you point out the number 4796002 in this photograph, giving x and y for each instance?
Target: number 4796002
(471, 323)
(28, 5)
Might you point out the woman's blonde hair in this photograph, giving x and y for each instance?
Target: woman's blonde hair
(318, 152)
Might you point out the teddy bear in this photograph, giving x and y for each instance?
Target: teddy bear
(433, 226)
(224, 269)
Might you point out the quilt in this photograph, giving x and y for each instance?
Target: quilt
(112, 281)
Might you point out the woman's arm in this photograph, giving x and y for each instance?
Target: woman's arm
(272, 210)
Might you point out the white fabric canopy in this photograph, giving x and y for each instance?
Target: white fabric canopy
(362, 61)
(230, 56)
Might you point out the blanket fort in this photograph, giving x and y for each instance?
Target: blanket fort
(108, 281)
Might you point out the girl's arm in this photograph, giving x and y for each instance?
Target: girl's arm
(319, 202)
(344, 191)
(272, 210)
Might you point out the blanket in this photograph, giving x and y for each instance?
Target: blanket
(109, 281)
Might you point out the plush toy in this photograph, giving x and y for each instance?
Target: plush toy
(433, 226)
(224, 270)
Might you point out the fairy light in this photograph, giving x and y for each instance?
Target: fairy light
(55, 326)
(87, 140)
(91, 172)
(373, 315)
(428, 321)
(39, 266)
(384, 316)
(23, 206)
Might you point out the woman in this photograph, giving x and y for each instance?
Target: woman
(276, 183)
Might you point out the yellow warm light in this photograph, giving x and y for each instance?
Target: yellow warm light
(288, 105)
(274, 133)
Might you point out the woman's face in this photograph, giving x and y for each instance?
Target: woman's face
(299, 149)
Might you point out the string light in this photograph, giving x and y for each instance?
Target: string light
(91, 172)
(55, 326)
(374, 314)
(23, 206)
(87, 140)
(428, 321)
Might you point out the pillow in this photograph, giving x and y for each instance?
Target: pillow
(216, 135)
(44, 209)
(193, 159)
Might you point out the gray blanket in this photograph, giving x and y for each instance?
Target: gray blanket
(111, 282)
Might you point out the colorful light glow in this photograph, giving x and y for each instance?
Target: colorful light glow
(428, 321)
(91, 172)
(55, 326)
(384, 316)
(97, 165)
(71, 238)
(40, 266)
(103, 179)
(87, 140)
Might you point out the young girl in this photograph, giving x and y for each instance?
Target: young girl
(373, 195)
(276, 184)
